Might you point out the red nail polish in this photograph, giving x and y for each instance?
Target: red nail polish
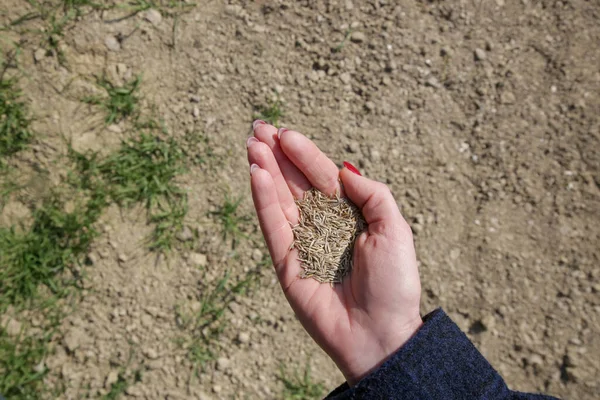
(352, 168)
(257, 123)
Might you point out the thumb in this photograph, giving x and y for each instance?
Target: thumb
(374, 199)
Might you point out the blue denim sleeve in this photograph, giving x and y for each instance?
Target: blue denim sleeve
(439, 362)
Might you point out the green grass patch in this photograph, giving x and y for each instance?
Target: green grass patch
(300, 386)
(21, 374)
(271, 113)
(120, 101)
(57, 240)
(204, 327)
(231, 220)
(15, 123)
(144, 171)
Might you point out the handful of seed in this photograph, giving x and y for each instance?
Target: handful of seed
(325, 234)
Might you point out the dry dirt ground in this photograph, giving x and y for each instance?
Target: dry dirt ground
(482, 117)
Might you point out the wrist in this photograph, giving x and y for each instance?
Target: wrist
(380, 350)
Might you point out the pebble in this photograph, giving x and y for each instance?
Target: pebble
(480, 54)
(257, 255)
(73, 339)
(112, 377)
(507, 97)
(198, 259)
(39, 55)
(122, 257)
(353, 147)
(222, 363)
(146, 320)
(369, 105)
(243, 337)
(358, 37)
(153, 16)
(374, 156)
(112, 43)
(432, 82)
(195, 98)
(535, 359)
(345, 78)
(151, 354)
(186, 233)
(134, 391)
(196, 112)
(40, 367)
(217, 389)
(13, 327)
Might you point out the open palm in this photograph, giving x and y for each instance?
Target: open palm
(375, 310)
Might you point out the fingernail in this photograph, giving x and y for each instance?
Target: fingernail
(257, 123)
(352, 168)
(280, 132)
(253, 168)
(251, 140)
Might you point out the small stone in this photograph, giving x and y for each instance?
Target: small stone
(39, 55)
(198, 259)
(195, 98)
(134, 391)
(348, 4)
(196, 112)
(535, 359)
(432, 82)
(146, 320)
(358, 37)
(153, 16)
(112, 43)
(114, 128)
(112, 377)
(454, 254)
(507, 97)
(151, 354)
(122, 257)
(369, 105)
(217, 389)
(222, 363)
(374, 156)
(40, 367)
(257, 255)
(185, 234)
(353, 147)
(243, 337)
(345, 78)
(480, 54)
(13, 327)
(73, 339)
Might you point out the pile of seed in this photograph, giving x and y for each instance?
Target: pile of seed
(325, 235)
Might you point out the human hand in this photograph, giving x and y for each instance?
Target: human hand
(375, 310)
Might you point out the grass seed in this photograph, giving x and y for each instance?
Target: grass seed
(325, 235)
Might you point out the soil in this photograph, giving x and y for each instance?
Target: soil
(481, 116)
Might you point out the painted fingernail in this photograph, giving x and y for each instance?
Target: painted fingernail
(253, 168)
(352, 168)
(251, 140)
(280, 132)
(257, 123)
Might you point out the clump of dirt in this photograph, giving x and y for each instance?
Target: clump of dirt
(325, 235)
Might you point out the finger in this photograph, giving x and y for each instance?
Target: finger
(312, 162)
(294, 178)
(376, 202)
(274, 226)
(260, 154)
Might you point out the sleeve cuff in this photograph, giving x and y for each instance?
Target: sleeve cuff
(439, 362)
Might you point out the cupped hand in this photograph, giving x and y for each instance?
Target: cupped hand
(375, 310)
